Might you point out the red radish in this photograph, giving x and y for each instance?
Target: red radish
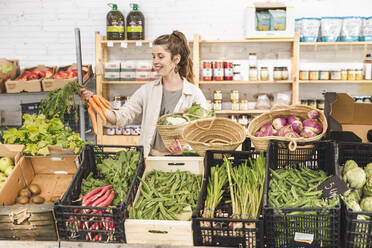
(89, 201)
(93, 192)
(101, 199)
(108, 201)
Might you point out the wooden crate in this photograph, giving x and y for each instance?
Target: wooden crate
(164, 232)
(31, 221)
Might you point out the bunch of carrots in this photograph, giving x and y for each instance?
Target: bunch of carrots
(99, 105)
(94, 222)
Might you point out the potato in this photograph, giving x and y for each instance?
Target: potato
(25, 192)
(37, 199)
(54, 198)
(34, 188)
(22, 200)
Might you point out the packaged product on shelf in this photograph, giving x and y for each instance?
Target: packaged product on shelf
(128, 75)
(118, 131)
(311, 103)
(277, 75)
(367, 29)
(350, 74)
(126, 131)
(310, 29)
(282, 98)
(234, 96)
(236, 72)
(331, 28)
(235, 105)
(112, 76)
(110, 131)
(207, 71)
(209, 105)
(304, 101)
(359, 74)
(335, 75)
(253, 74)
(143, 75)
(143, 65)
(251, 105)
(351, 28)
(112, 66)
(244, 105)
(320, 104)
(263, 102)
(217, 95)
(285, 73)
(154, 75)
(228, 70)
(343, 74)
(218, 71)
(252, 58)
(304, 75)
(313, 75)
(324, 75)
(116, 103)
(263, 21)
(135, 24)
(217, 105)
(128, 64)
(115, 23)
(367, 67)
(264, 74)
(278, 19)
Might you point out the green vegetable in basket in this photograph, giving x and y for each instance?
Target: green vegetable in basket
(368, 170)
(197, 112)
(353, 195)
(350, 164)
(355, 178)
(173, 120)
(366, 204)
(367, 189)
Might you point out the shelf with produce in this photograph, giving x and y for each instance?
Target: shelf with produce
(250, 111)
(356, 43)
(245, 82)
(125, 82)
(335, 81)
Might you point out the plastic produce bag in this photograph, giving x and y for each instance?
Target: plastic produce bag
(310, 29)
(282, 98)
(367, 29)
(331, 28)
(351, 28)
(263, 102)
(263, 21)
(278, 19)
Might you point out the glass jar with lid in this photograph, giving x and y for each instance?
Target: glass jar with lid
(253, 73)
(277, 73)
(217, 95)
(217, 106)
(209, 105)
(343, 74)
(235, 105)
(116, 104)
(264, 73)
(359, 74)
(350, 74)
(314, 75)
(234, 95)
(244, 105)
(304, 75)
(324, 75)
(285, 73)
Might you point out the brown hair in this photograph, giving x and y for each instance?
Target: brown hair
(176, 43)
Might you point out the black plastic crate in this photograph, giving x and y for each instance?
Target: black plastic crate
(70, 119)
(219, 231)
(67, 210)
(281, 224)
(356, 232)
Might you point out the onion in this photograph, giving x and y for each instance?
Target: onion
(313, 114)
(279, 122)
(313, 125)
(293, 118)
(292, 134)
(267, 129)
(307, 133)
(297, 126)
(285, 130)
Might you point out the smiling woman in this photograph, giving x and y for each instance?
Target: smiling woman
(173, 92)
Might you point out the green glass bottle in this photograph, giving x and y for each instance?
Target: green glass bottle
(135, 24)
(115, 23)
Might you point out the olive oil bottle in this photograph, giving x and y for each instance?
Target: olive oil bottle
(115, 23)
(135, 24)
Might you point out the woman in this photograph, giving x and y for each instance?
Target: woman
(173, 92)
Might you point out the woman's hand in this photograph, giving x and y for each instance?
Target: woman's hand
(85, 95)
(175, 147)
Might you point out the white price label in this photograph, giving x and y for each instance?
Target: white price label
(110, 44)
(304, 237)
(60, 172)
(138, 43)
(124, 44)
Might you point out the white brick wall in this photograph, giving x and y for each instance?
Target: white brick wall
(42, 31)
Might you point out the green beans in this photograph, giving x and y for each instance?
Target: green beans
(164, 195)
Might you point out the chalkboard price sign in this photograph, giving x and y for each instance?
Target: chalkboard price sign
(333, 186)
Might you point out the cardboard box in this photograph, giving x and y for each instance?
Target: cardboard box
(344, 114)
(53, 177)
(17, 86)
(164, 232)
(9, 69)
(56, 83)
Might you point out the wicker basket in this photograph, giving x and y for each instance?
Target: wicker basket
(261, 143)
(171, 132)
(213, 134)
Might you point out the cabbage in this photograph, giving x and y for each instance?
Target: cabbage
(366, 204)
(367, 189)
(356, 178)
(352, 195)
(350, 164)
(174, 120)
(198, 112)
(368, 170)
(5, 163)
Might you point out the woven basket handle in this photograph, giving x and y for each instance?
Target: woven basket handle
(292, 146)
(205, 129)
(190, 115)
(219, 141)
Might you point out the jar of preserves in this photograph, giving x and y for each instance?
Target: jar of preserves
(359, 99)
(207, 73)
(116, 104)
(110, 131)
(253, 74)
(367, 99)
(235, 106)
(304, 75)
(314, 75)
(336, 75)
(264, 74)
(285, 73)
(217, 95)
(244, 105)
(233, 118)
(343, 74)
(236, 68)
(311, 103)
(236, 76)
(320, 104)
(228, 70)
(209, 105)
(217, 105)
(350, 74)
(304, 101)
(277, 73)
(324, 75)
(359, 74)
(252, 60)
(218, 71)
(243, 120)
(234, 95)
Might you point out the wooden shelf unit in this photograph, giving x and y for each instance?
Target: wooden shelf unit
(339, 43)
(245, 82)
(335, 81)
(249, 111)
